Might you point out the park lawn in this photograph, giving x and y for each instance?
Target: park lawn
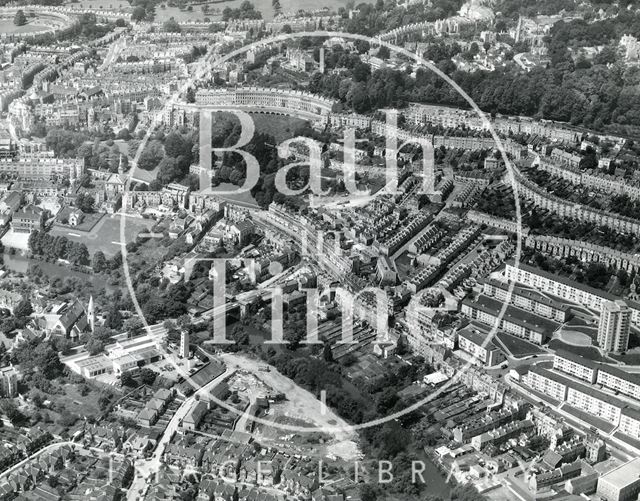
(280, 127)
(627, 358)
(516, 346)
(105, 235)
(589, 352)
(9, 28)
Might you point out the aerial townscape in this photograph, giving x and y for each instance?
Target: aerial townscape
(319, 251)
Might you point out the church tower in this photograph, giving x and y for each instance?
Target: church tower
(91, 314)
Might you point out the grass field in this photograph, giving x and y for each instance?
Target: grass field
(7, 26)
(574, 337)
(280, 127)
(516, 346)
(105, 235)
(627, 358)
(584, 351)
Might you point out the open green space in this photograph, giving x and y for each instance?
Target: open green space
(589, 352)
(516, 346)
(105, 235)
(7, 26)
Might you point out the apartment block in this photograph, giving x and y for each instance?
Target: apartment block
(475, 344)
(564, 288)
(578, 395)
(575, 365)
(515, 321)
(526, 299)
(541, 380)
(614, 325)
(618, 380)
(630, 422)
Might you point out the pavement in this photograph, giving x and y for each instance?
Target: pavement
(624, 450)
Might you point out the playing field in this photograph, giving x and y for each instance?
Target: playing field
(105, 235)
(7, 26)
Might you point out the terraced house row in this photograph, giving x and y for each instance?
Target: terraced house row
(564, 208)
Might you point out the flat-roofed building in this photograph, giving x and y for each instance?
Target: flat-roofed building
(515, 321)
(472, 342)
(621, 483)
(630, 422)
(619, 380)
(540, 380)
(564, 288)
(95, 366)
(578, 395)
(575, 365)
(527, 299)
(614, 325)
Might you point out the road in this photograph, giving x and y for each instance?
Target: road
(48, 448)
(145, 469)
(112, 55)
(625, 451)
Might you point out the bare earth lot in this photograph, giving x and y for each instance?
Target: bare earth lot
(301, 409)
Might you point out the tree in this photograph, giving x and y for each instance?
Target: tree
(114, 318)
(94, 346)
(20, 19)
(384, 52)
(401, 347)
(175, 145)
(151, 156)
(394, 439)
(147, 376)
(9, 409)
(133, 326)
(368, 493)
(127, 380)
(171, 26)
(327, 352)
(85, 202)
(138, 14)
(23, 308)
(99, 262)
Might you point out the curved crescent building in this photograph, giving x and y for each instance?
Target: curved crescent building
(265, 100)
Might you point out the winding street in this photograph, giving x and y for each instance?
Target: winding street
(48, 448)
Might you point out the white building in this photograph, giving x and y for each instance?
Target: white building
(9, 380)
(613, 328)
(621, 483)
(184, 344)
